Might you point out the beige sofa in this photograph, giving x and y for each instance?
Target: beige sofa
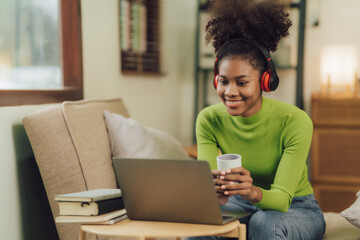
(72, 151)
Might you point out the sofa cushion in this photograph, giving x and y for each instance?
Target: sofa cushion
(338, 228)
(352, 214)
(56, 159)
(86, 125)
(130, 139)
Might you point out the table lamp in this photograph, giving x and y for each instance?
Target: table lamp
(339, 76)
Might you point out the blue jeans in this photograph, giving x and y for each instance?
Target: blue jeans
(303, 220)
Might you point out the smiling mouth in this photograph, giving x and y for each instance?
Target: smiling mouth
(233, 103)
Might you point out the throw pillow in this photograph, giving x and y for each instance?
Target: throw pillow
(130, 139)
(352, 214)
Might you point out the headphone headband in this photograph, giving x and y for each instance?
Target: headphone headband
(269, 78)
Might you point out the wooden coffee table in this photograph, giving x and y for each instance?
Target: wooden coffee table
(150, 230)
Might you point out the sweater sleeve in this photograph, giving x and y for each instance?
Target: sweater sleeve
(206, 141)
(296, 138)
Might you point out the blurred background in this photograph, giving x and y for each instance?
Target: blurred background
(152, 54)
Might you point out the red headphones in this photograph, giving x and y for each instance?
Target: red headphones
(269, 79)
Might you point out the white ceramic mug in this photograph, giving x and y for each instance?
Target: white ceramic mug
(228, 161)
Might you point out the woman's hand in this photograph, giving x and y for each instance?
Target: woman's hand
(237, 181)
(218, 183)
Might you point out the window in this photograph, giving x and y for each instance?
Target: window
(139, 36)
(40, 56)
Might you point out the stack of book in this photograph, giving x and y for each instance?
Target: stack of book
(99, 206)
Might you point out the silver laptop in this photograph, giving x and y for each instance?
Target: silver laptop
(170, 191)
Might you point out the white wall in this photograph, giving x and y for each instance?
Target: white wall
(164, 102)
(338, 24)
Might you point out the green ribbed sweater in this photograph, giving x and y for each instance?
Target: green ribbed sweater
(273, 143)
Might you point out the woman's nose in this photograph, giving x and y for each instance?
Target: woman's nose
(231, 90)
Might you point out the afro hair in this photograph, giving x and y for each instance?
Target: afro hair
(262, 21)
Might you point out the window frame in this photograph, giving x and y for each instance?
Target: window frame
(70, 59)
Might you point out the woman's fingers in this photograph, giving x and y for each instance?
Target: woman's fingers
(218, 189)
(236, 178)
(219, 182)
(236, 186)
(216, 173)
(236, 181)
(244, 192)
(239, 170)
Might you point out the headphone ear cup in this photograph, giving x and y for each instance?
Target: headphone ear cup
(265, 81)
(216, 79)
(216, 73)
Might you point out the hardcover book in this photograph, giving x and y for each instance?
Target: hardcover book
(90, 208)
(107, 218)
(90, 196)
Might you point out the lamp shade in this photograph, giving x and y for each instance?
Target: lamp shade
(339, 64)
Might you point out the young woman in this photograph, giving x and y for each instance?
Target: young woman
(272, 137)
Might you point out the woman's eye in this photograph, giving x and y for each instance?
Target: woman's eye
(241, 83)
(223, 81)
